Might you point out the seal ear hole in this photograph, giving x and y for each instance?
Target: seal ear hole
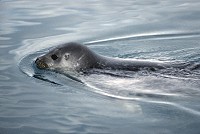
(54, 56)
(66, 56)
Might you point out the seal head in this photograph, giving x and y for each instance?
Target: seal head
(69, 56)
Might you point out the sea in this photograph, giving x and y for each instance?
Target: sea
(35, 101)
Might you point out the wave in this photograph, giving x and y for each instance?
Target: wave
(148, 36)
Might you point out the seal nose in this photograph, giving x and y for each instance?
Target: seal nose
(40, 63)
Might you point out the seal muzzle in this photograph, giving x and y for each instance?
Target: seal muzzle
(41, 64)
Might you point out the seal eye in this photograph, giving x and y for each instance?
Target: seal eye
(54, 57)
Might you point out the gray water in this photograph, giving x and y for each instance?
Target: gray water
(145, 102)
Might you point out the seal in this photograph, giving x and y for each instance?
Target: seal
(78, 57)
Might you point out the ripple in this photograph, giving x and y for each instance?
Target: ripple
(3, 39)
(31, 102)
(149, 36)
(4, 78)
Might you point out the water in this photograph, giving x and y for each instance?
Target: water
(161, 102)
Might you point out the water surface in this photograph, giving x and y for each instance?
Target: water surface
(144, 102)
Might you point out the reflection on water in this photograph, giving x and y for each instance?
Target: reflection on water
(145, 103)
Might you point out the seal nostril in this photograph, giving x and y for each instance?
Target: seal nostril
(36, 60)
